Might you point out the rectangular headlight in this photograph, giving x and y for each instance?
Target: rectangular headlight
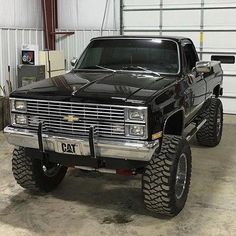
(136, 130)
(21, 119)
(20, 105)
(136, 114)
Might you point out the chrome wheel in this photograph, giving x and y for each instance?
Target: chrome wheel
(51, 169)
(181, 176)
(218, 121)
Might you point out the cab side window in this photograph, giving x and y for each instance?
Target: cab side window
(190, 57)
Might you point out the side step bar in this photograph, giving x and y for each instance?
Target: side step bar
(194, 130)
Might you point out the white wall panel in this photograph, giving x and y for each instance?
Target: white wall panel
(225, 19)
(21, 13)
(181, 3)
(181, 19)
(142, 3)
(139, 20)
(229, 105)
(156, 33)
(211, 3)
(220, 40)
(88, 14)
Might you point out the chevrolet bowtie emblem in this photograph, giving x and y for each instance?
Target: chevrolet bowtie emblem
(71, 118)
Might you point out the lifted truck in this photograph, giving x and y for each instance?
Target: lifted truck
(122, 109)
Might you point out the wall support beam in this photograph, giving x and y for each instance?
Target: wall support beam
(50, 22)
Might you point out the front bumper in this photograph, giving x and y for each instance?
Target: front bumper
(120, 149)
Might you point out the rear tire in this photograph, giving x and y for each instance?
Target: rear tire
(33, 175)
(166, 178)
(211, 132)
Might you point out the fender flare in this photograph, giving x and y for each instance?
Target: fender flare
(182, 110)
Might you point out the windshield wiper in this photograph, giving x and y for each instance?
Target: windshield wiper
(94, 67)
(105, 68)
(141, 68)
(147, 70)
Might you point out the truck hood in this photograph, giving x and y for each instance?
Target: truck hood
(99, 87)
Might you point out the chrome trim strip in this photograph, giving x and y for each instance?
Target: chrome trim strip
(190, 135)
(43, 111)
(121, 149)
(76, 103)
(104, 117)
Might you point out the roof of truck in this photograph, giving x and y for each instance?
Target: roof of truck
(174, 38)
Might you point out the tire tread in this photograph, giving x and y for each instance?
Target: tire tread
(207, 136)
(157, 189)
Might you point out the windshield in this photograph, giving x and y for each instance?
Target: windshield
(158, 55)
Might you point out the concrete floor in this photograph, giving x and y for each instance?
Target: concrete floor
(94, 204)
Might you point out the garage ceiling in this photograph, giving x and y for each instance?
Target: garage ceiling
(210, 24)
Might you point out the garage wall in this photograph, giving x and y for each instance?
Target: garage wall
(88, 14)
(21, 14)
(21, 23)
(73, 14)
(210, 24)
(74, 45)
(12, 39)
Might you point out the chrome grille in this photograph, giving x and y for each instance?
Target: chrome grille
(107, 120)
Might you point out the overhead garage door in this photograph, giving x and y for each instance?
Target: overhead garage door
(210, 24)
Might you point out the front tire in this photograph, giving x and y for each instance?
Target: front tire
(34, 175)
(211, 132)
(166, 178)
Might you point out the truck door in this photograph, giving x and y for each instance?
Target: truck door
(196, 82)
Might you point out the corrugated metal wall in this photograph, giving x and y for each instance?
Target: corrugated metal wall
(75, 14)
(11, 41)
(88, 14)
(21, 23)
(21, 13)
(73, 45)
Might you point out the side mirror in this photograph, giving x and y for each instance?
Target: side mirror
(203, 67)
(73, 61)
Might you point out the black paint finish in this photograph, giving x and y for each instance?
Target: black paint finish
(98, 86)
(163, 95)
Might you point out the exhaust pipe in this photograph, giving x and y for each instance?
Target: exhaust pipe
(123, 172)
(101, 170)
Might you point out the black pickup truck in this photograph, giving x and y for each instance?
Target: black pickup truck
(124, 109)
